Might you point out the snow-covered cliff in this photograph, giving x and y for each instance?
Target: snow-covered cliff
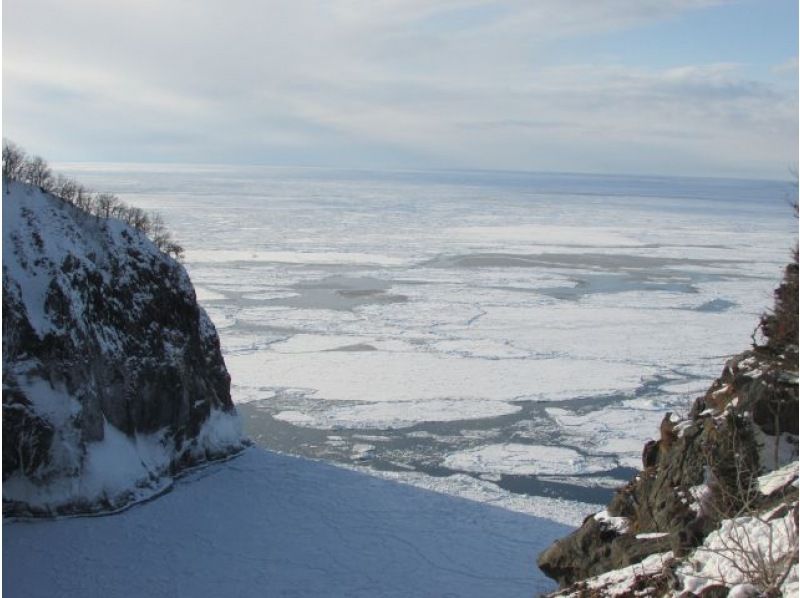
(113, 380)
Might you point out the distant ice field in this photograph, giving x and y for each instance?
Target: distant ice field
(511, 338)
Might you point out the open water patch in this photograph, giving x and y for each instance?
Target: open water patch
(341, 293)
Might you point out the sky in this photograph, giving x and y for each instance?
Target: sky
(668, 87)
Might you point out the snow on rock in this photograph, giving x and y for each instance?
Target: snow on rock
(780, 478)
(113, 378)
(743, 590)
(745, 550)
(749, 555)
(264, 524)
(618, 524)
(620, 582)
(776, 451)
(702, 498)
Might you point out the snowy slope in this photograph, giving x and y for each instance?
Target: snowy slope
(113, 378)
(266, 525)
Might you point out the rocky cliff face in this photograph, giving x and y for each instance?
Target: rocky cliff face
(703, 470)
(113, 380)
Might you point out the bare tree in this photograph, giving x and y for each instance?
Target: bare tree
(65, 188)
(37, 172)
(137, 218)
(13, 160)
(163, 238)
(158, 231)
(83, 198)
(106, 205)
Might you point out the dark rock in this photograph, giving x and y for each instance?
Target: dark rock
(650, 454)
(715, 591)
(28, 452)
(594, 549)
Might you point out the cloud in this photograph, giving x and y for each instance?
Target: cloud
(788, 68)
(455, 83)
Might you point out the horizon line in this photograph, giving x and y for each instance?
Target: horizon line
(418, 170)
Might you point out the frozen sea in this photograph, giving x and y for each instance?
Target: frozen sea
(505, 337)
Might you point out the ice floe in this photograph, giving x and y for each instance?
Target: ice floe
(395, 415)
(418, 375)
(527, 459)
(194, 255)
(612, 430)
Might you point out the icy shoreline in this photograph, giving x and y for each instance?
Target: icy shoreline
(270, 524)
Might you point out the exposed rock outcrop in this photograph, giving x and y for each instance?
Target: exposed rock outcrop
(703, 469)
(113, 379)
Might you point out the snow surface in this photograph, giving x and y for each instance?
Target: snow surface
(777, 479)
(265, 524)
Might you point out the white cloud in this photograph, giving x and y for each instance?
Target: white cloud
(455, 83)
